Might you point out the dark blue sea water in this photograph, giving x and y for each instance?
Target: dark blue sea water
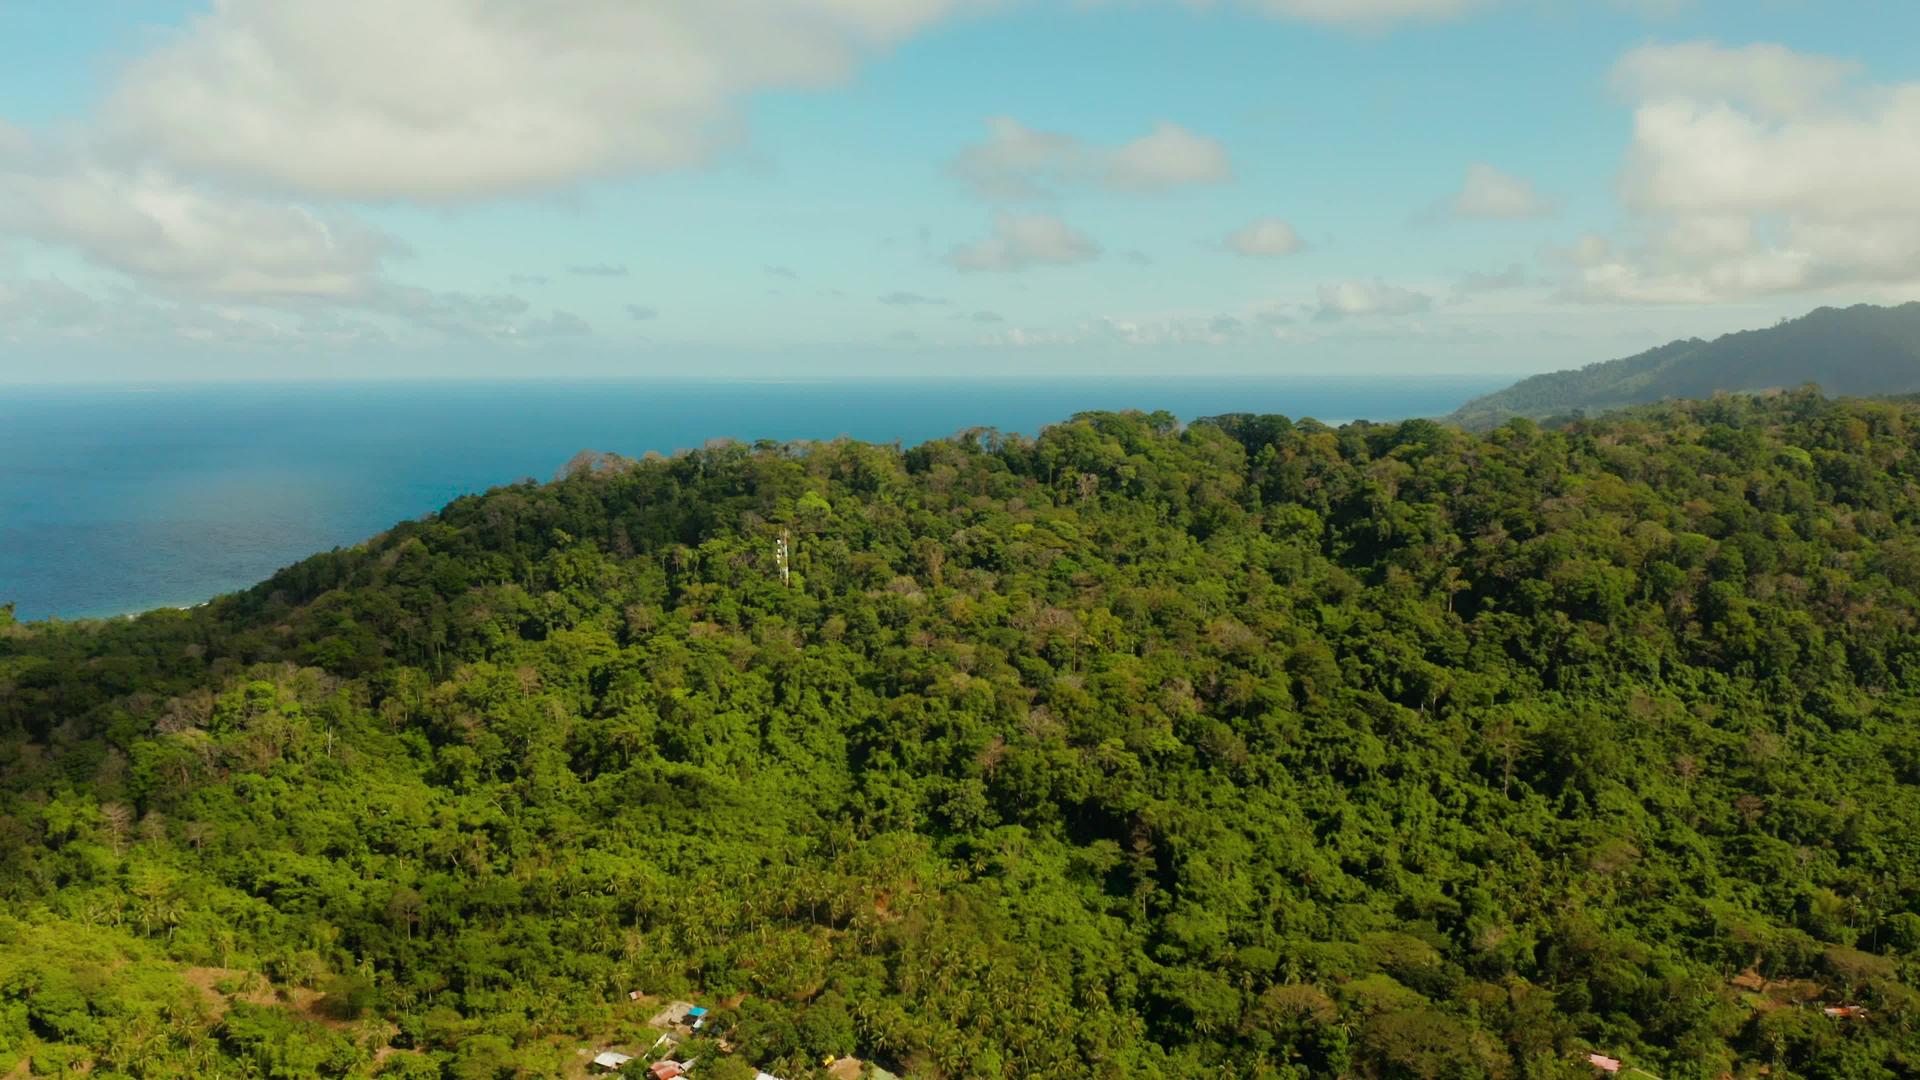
(115, 500)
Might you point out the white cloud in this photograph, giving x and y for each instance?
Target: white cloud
(1711, 157)
(1265, 237)
(1173, 330)
(1107, 330)
(1018, 162)
(456, 99)
(1362, 299)
(200, 263)
(1169, 157)
(1769, 78)
(1018, 337)
(1379, 14)
(1492, 195)
(1759, 170)
(1366, 13)
(1013, 160)
(1258, 325)
(185, 239)
(1022, 241)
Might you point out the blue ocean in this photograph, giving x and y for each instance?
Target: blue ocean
(121, 499)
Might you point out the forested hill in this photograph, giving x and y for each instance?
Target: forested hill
(1859, 351)
(1246, 749)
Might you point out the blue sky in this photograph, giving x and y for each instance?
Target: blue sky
(820, 187)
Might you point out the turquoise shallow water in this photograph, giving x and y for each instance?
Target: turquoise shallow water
(120, 499)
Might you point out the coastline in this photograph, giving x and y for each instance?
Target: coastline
(193, 491)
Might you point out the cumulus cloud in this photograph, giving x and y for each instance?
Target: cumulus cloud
(1769, 78)
(1489, 194)
(181, 238)
(216, 169)
(1018, 162)
(198, 262)
(1266, 237)
(1694, 153)
(1169, 157)
(1758, 170)
(1021, 241)
(455, 99)
(1362, 299)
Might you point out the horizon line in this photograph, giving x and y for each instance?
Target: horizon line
(156, 385)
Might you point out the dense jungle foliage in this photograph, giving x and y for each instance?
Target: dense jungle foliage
(1250, 748)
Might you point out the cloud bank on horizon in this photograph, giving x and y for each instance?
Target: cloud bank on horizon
(596, 186)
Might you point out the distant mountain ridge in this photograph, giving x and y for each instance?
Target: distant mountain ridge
(1856, 351)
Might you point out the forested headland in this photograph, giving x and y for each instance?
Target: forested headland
(1859, 350)
(1241, 748)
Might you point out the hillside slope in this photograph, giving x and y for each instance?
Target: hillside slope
(1856, 351)
(1250, 748)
